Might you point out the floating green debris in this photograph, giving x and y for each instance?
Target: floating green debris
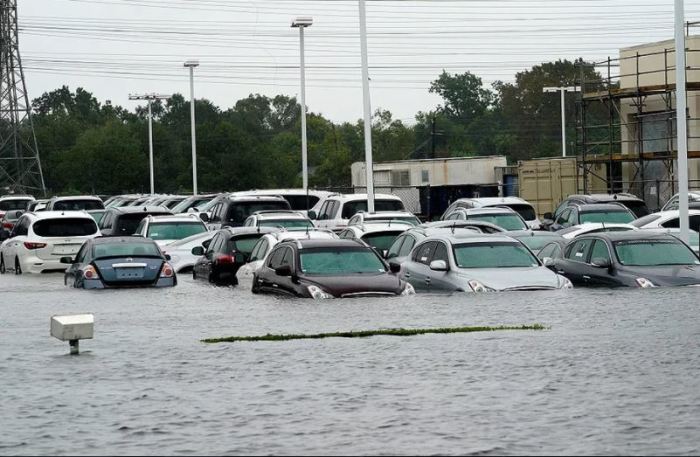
(370, 333)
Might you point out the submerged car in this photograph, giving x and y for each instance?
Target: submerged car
(323, 269)
(505, 218)
(520, 206)
(467, 262)
(628, 259)
(168, 229)
(380, 235)
(119, 262)
(608, 213)
(535, 239)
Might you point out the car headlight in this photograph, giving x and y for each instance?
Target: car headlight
(565, 283)
(408, 290)
(319, 294)
(645, 283)
(478, 287)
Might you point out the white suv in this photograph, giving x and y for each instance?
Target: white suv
(168, 229)
(520, 206)
(14, 203)
(336, 210)
(39, 240)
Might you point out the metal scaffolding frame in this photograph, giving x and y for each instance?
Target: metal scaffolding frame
(600, 121)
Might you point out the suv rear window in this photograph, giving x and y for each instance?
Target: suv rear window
(354, 207)
(128, 223)
(298, 202)
(238, 212)
(638, 208)
(10, 205)
(527, 212)
(65, 227)
(77, 205)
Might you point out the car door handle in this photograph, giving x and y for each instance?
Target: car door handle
(407, 275)
(586, 277)
(427, 280)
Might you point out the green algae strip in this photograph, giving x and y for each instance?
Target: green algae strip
(371, 333)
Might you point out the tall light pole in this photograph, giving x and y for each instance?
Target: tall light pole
(301, 23)
(150, 98)
(681, 121)
(367, 108)
(563, 91)
(191, 64)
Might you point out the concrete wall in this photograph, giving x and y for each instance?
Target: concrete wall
(441, 172)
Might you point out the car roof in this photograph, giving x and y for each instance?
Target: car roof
(674, 213)
(233, 231)
(605, 197)
(175, 218)
(383, 214)
(77, 197)
(460, 224)
(122, 239)
(17, 197)
(603, 207)
(41, 215)
(141, 209)
(486, 210)
(352, 197)
(253, 198)
(367, 228)
(289, 214)
(282, 235)
(495, 201)
(464, 236)
(534, 233)
(630, 235)
(328, 243)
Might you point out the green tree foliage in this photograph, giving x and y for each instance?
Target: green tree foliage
(88, 146)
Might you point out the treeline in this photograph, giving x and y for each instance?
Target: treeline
(92, 147)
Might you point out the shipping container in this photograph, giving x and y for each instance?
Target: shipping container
(547, 182)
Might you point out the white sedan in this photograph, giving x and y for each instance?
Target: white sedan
(594, 227)
(667, 220)
(180, 252)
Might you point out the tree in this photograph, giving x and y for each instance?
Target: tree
(464, 95)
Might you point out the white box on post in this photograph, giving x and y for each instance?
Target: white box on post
(73, 329)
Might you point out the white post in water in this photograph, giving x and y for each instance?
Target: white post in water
(682, 123)
(368, 108)
(301, 23)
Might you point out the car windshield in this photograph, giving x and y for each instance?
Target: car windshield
(527, 212)
(77, 205)
(11, 205)
(381, 241)
(537, 242)
(243, 245)
(649, 253)
(239, 212)
(494, 255)
(65, 227)
(340, 262)
(510, 222)
(289, 224)
(174, 230)
(101, 251)
(607, 216)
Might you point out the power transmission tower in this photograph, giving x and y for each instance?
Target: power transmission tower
(20, 167)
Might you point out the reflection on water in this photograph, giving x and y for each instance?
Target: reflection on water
(619, 371)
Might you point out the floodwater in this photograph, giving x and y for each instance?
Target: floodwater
(617, 373)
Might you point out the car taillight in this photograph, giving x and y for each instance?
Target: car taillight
(8, 225)
(224, 260)
(32, 246)
(90, 272)
(167, 271)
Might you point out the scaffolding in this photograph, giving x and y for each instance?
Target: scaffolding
(626, 120)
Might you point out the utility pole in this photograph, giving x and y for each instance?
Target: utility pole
(192, 64)
(682, 121)
(432, 142)
(301, 23)
(20, 166)
(369, 165)
(563, 91)
(150, 98)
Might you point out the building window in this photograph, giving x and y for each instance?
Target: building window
(425, 176)
(401, 178)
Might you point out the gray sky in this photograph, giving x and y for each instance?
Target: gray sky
(117, 47)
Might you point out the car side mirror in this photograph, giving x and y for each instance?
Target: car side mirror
(438, 265)
(548, 262)
(601, 263)
(198, 251)
(284, 271)
(312, 215)
(167, 257)
(394, 267)
(548, 216)
(67, 260)
(204, 217)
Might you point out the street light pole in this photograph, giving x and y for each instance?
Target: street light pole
(150, 98)
(191, 64)
(563, 91)
(301, 23)
(367, 108)
(681, 121)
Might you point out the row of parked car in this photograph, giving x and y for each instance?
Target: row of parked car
(335, 248)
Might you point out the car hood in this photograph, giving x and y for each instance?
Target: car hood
(665, 276)
(340, 286)
(501, 279)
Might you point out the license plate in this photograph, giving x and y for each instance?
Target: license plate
(130, 273)
(66, 249)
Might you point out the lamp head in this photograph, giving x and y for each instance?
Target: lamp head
(191, 63)
(302, 22)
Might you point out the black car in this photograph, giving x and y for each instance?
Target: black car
(124, 220)
(323, 269)
(632, 202)
(611, 213)
(628, 259)
(232, 211)
(119, 262)
(226, 253)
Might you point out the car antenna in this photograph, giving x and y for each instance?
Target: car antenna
(454, 226)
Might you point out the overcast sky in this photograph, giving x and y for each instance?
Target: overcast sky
(117, 47)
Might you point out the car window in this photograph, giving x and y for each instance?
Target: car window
(260, 250)
(564, 217)
(456, 216)
(288, 258)
(600, 251)
(675, 223)
(119, 249)
(671, 205)
(323, 212)
(407, 246)
(65, 227)
(215, 242)
(425, 252)
(174, 230)
(381, 241)
(548, 251)
(346, 234)
(396, 247)
(440, 253)
(607, 216)
(354, 207)
(106, 222)
(80, 256)
(242, 244)
(276, 258)
(573, 217)
(301, 202)
(578, 252)
(77, 205)
(354, 221)
(140, 229)
(21, 228)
